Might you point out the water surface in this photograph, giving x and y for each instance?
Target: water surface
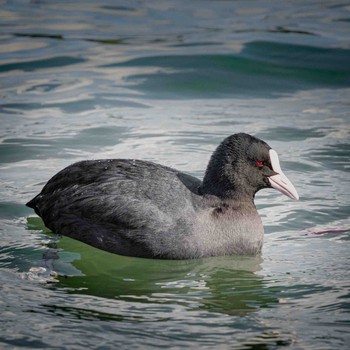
(166, 81)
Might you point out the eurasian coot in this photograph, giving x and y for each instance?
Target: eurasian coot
(139, 208)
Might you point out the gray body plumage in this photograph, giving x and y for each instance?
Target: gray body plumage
(139, 208)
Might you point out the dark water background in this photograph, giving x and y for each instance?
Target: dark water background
(166, 81)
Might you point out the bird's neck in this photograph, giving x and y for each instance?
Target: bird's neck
(226, 189)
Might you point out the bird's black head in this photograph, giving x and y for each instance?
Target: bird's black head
(242, 165)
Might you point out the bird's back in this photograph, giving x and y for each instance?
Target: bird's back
(128, 207)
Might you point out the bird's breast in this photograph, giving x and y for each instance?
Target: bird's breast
(222, 231)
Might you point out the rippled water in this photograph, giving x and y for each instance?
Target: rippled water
(167, 81)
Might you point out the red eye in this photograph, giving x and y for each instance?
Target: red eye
(259, 164)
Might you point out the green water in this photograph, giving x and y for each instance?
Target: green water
(166, 81)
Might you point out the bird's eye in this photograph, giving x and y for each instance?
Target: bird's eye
(259, 163)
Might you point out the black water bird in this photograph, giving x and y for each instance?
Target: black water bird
(139, 208)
